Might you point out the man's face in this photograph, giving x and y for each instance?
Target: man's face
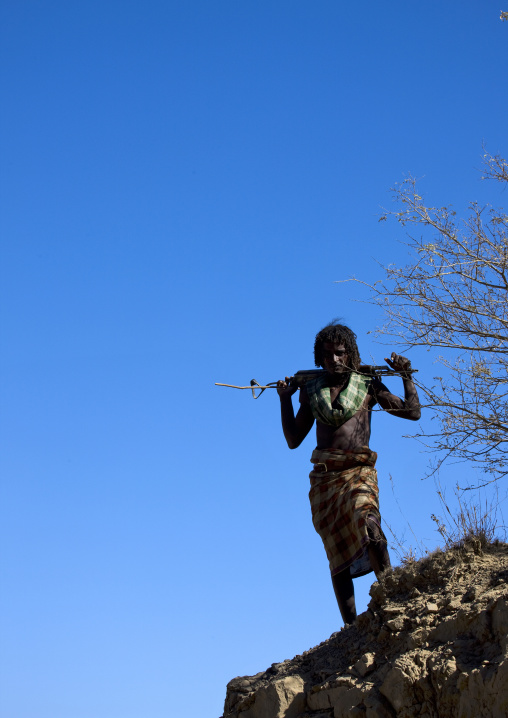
(335, 358)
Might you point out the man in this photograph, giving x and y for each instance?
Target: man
(344, 494)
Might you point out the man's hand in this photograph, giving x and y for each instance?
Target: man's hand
(285, 388)
(400, 364)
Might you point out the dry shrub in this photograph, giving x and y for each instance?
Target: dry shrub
(475, 520)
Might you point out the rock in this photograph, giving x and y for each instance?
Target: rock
(417, 638)
(366, 664)
(395, 624)
(345, 701)
(378, 593)
(500, 618)
(398, 689)
(283, 698)
(479, 697)
(431, 608)
(434, 642)
(375, 708)
(391, 611)
(454, 605)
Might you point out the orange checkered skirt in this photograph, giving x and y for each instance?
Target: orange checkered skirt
(344, 492)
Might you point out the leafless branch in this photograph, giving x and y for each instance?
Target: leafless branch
(453, 297)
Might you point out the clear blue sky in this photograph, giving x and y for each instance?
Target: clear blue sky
(181, 184)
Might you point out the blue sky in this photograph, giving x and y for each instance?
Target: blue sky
(182, 184)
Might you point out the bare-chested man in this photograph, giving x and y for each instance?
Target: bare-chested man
(344, 491)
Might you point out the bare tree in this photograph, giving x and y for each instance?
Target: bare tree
(453, 299)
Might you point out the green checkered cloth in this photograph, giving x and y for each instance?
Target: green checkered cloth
(347, 403)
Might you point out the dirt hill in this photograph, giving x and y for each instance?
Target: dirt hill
(433, 644)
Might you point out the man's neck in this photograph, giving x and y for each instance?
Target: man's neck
(338, 380)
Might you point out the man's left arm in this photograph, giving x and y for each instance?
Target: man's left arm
(407, 408)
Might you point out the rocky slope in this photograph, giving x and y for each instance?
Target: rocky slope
(433, 644)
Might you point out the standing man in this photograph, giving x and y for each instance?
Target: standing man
(344, 494)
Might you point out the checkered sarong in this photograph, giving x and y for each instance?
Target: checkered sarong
(344, 492)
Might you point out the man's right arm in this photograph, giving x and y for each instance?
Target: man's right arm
(297, 427)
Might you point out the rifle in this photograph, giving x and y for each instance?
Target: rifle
(304, 375)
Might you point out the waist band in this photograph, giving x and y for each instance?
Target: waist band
(339, 460)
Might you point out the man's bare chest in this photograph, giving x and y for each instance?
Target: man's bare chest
(335, 392)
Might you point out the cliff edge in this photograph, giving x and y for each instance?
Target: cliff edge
(433, 644)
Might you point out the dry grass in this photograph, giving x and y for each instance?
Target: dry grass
(476, 519)
(406, 553)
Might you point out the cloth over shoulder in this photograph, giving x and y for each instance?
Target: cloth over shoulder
(347, 403)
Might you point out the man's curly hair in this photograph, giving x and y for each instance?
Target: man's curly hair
(335, 332)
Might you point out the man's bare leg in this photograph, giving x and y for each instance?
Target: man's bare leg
(377, 549)
(377, 559)
(345, 595)
(343, 583)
